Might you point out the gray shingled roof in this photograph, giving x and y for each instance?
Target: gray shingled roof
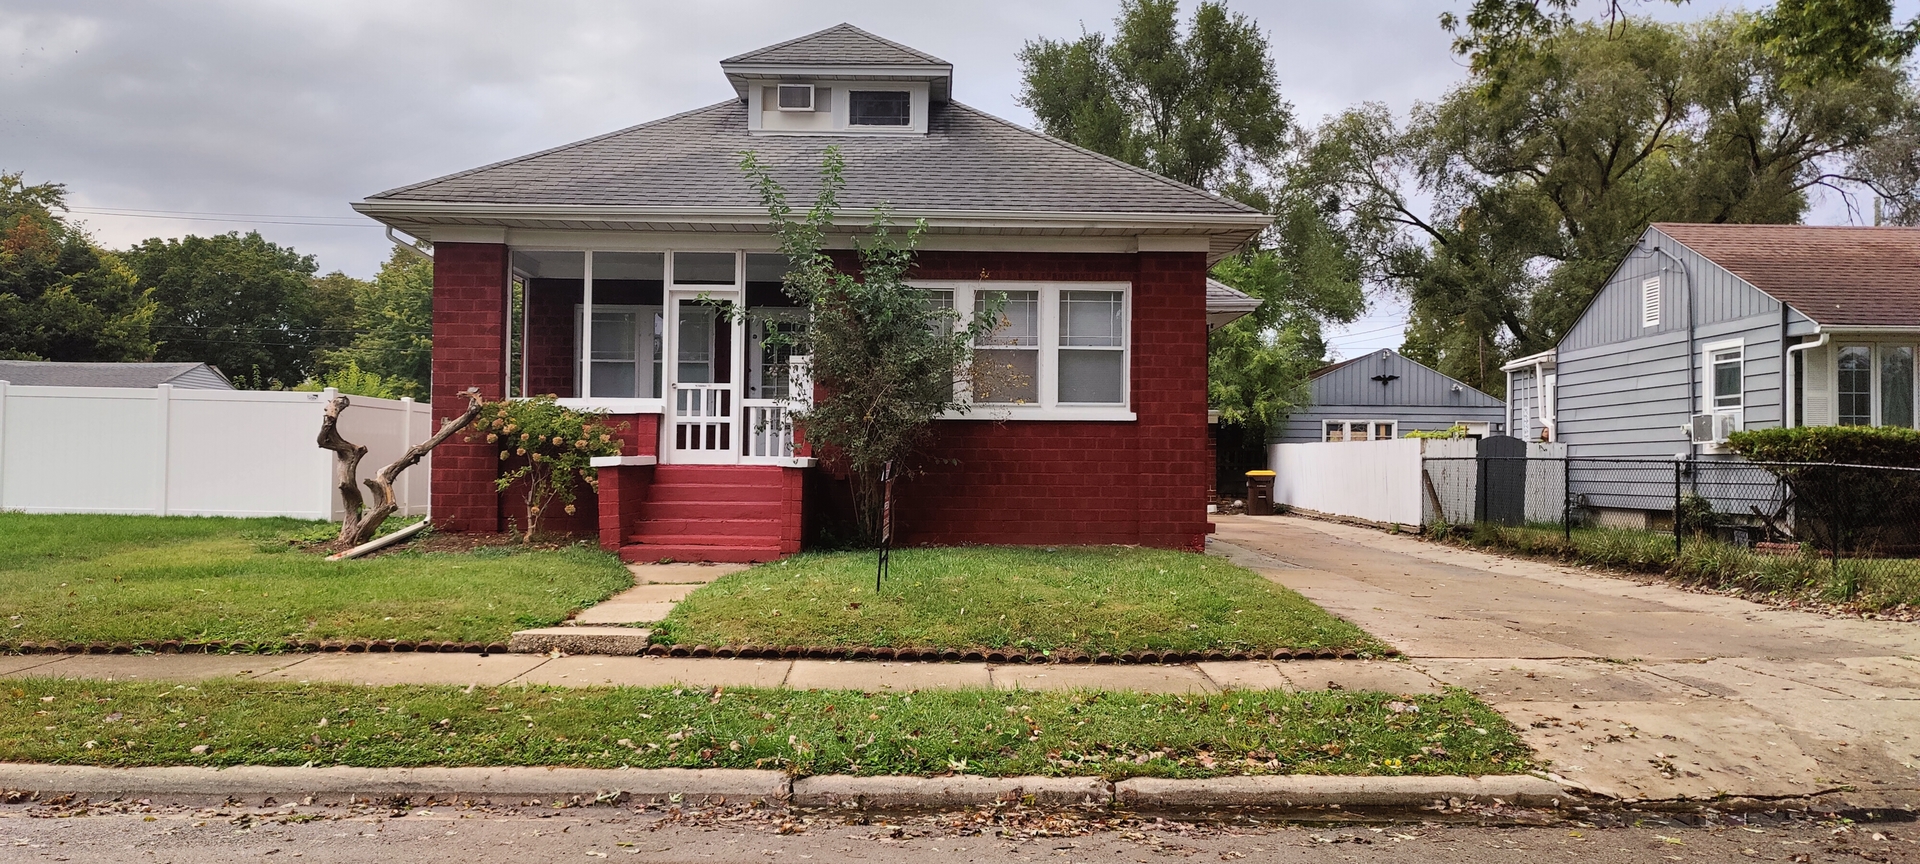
(968, 160)
(1226, 303)
(839, 45)
(36, 373)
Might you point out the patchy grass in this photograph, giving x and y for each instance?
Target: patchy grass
(1864, 584)
(1090, 599)
(145, 578)
(1005, 733)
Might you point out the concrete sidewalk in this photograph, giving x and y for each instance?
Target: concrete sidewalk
(600, 671)
(1633, 689)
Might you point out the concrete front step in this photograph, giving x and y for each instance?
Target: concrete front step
(735, 553)
(580, 640)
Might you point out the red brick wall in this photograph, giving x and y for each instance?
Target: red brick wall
(549, 339)
(1040, 482)
(469, 319)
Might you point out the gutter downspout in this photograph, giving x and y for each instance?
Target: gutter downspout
(410, 247)
(1793, 416)
(1693, 393)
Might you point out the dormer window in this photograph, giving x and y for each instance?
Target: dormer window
(795, 97)
(879, 108)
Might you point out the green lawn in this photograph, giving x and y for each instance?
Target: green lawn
(1006, 733)
(1090, 599)
(144, 578)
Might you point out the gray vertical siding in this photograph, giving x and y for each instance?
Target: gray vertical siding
(1523, 404)
(1623, 388)
(1418, 398)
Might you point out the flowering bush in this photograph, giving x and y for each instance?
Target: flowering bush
(557, 445)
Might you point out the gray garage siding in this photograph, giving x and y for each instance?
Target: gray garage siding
(1419, 398)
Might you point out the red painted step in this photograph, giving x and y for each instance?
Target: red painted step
(648, 553)
(653, 529)
(729, 474)
(684, 510)
(713, 492)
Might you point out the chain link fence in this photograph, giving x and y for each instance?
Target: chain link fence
(1727, 521)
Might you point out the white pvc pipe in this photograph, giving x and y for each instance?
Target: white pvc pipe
(379, 542)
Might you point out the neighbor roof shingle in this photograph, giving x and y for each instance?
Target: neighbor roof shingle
(1835, 275)
(968, 160)
(839, 45)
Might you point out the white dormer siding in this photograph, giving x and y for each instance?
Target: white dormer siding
(831, 101)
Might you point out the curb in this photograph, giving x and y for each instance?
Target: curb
(998, 655)
(633, 641)
(256, 784)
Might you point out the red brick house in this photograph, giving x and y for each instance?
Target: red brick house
(608, 242)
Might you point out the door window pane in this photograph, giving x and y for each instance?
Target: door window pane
(1896, 385)
(693, 353)
(1856, 385)
(703, 268)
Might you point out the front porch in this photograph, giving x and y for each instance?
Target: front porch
(683, 348)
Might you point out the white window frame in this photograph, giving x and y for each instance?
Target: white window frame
(1048, 406)
(1876, 387)
(1709, 397)
(811, 95)
(1347, 429)
(1650, 302)
(643, 361)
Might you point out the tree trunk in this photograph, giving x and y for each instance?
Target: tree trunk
(361, 522)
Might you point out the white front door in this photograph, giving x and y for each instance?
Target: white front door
(704, 375)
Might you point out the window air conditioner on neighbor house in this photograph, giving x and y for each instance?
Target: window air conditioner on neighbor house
(1713, 428)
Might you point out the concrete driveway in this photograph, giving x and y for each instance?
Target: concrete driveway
(1631, 689)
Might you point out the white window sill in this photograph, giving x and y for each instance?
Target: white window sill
(616, 406)
(1068, 413)
(621, 461)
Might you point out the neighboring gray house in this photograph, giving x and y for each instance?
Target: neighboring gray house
(1382, 394)
(1706, 329)
(187, 376)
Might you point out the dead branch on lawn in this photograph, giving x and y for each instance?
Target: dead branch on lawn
(361, 522)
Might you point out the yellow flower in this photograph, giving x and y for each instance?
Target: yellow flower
(503, 455)
(525, 435)
(535, 457)
(580, 445)
(569, 509)
(492, 437)
(520, 451)
(604, 437)
(557, 440)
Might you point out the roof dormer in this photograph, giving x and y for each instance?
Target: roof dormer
(839, 81)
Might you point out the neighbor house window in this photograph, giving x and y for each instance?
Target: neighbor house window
(1856, 385)
(1896, 385)
(1359, 430)
(1725, 376)
(879, 108)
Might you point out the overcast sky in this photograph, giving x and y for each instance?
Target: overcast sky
(173, 118)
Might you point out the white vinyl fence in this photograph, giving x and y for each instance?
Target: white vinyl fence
(164, 451)
(1378, 481)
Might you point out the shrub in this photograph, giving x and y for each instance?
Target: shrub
(1847, 445)
(1447, 434)
(557, 445)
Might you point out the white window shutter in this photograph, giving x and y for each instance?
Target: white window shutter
(1650, 302)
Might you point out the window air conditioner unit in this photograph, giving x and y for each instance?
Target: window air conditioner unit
(794, 97)
(1713, 428)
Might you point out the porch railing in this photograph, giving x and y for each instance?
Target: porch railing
(769, 432)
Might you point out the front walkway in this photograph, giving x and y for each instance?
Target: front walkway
(1631, 688)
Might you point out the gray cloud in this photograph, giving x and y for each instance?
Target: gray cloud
(281, 107)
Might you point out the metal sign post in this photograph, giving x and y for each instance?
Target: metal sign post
(886, 525)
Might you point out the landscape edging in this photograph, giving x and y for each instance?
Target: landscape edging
(524, 786)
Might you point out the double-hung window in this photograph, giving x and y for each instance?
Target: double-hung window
(1725, 377)
(1856, 385)
(1054, 351)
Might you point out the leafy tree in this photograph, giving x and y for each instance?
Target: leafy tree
(62, 297)
(1499, 210)
(1203, 107)
(235, 301)
(392, 324)
(353, 381)
(883, 361)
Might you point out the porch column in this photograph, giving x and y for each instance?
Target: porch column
(470, 303)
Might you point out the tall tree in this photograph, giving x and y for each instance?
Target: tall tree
(1499, 210)
(392, 326)
(239, 302)
(1203, 106)
(62, 297)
